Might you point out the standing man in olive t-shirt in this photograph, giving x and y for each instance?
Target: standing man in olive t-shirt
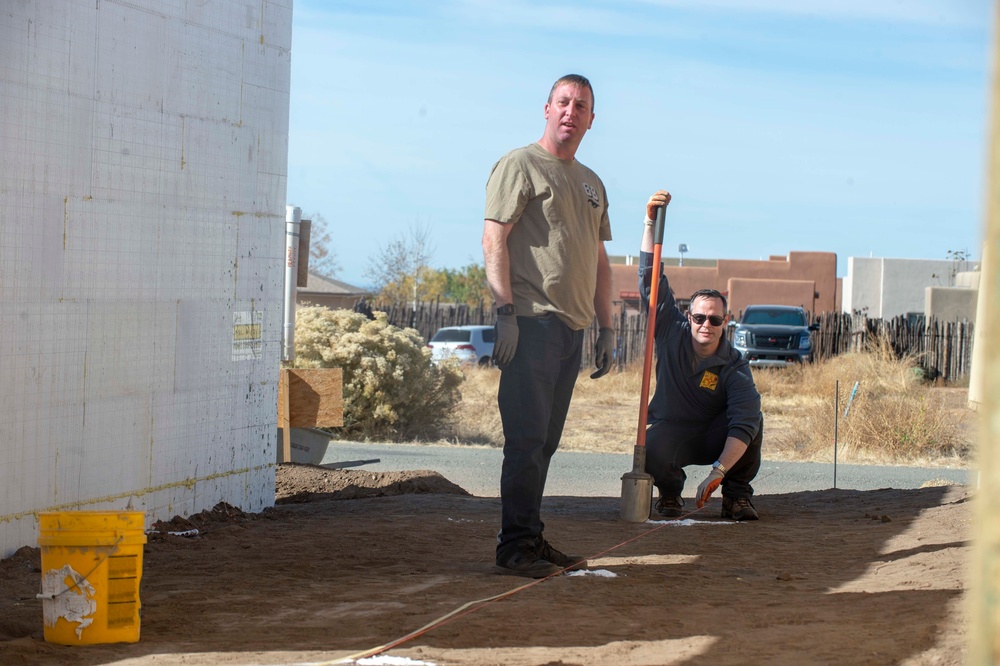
(543, 242)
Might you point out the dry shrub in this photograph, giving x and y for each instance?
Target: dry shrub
(392, 390)
(891, 418)
(897, 427)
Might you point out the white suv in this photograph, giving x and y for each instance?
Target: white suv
(467, 344)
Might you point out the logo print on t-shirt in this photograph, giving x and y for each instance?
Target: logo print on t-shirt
(592, 195)
(709, 381)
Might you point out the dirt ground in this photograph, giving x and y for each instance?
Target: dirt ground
(352, 560)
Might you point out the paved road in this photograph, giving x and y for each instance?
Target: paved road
(477, 470)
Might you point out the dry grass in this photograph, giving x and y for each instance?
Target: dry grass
(477, 419)
(603, 416)
(895, 416)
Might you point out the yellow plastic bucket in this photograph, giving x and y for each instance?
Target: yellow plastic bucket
(91, 569)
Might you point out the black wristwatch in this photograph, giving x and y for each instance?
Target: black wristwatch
(508, 309)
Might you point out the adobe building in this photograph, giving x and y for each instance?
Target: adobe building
(955, 303)
(888, 287)
(805, 279)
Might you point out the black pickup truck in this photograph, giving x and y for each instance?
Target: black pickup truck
(774, 335)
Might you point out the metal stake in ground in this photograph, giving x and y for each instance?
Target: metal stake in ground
(637, 485)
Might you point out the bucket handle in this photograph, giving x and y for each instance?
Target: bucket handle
(111, 550)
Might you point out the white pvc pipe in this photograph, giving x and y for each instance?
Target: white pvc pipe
(293, 224)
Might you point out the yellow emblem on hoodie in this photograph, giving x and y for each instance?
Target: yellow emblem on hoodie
(709, 381)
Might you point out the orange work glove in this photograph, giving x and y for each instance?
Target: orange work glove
(661, 198)
(708, 486)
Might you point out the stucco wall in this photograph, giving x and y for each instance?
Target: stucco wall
(744, 292)
(893, 287)
(905, 280)
(816, 268)
(968, 279)
(820, 268)
(863, 285)
(950, 303)
(143, 162)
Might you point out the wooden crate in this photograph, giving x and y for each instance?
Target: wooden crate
(309, 399)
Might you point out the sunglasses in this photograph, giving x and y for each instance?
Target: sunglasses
(715, 320)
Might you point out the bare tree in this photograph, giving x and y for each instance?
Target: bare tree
(400, 270)
(959, 263)
(322, 256)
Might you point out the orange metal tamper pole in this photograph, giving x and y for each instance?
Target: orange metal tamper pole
(637, 485)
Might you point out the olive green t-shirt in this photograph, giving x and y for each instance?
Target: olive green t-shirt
(560, 208)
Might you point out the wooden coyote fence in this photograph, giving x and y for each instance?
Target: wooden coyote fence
(942, 349)
(428, 316)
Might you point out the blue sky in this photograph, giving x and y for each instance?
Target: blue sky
(849, 126)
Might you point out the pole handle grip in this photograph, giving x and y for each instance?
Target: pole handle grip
(654, 299)
(658, 224)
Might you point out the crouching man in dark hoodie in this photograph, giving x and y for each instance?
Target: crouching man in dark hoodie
(706, 408)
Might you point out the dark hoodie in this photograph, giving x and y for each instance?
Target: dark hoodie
(690, 389)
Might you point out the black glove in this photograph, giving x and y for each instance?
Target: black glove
(506, 339)
(605, 351)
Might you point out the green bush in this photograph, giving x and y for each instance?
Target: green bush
(392, 390)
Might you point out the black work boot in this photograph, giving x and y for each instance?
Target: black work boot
(738, 508)
(524, 560)
(670, 507)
